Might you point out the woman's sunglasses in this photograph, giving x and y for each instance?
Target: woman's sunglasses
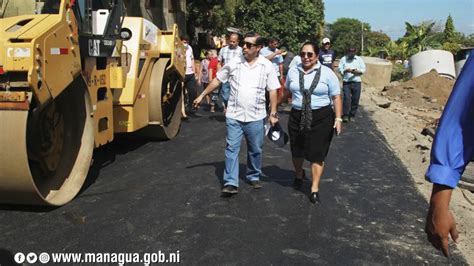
(308, 54)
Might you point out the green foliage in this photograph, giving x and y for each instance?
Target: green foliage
(437, 37)
(376, 39)
(400, 73)
(372, 51)
(451, 47)
(290, 21)
(449, 33)
(211, 15)
(397, 51)
(375, 42)
(345, 33)
(420, 37)
(467, 41)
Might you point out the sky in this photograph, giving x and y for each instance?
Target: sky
(390, 15)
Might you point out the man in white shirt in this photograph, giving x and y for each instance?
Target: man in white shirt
(351, 67)
(226, 54)
(190, 83)
(272, 53)
(249, 76)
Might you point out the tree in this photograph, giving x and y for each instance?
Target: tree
(345, 33)
(396, 50)
(467, 41)
(211, 15)
(420, 37)
(372, 51)
(290, 21)
(449, 33)
(375, 43)
(451, 38)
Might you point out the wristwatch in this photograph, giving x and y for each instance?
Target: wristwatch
(275, 115)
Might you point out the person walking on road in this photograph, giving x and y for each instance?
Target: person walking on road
(326, 55)
(272, 53)
(249, 75)
(190, 82)
(205, 71)
(452, 150)
(226, 54)
(213, 65)
(312, 120)
(351, 68)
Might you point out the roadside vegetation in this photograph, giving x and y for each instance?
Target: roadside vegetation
(295, 21)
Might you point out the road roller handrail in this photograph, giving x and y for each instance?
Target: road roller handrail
(171, 45)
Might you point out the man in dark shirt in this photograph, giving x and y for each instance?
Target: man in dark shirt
(326, 55)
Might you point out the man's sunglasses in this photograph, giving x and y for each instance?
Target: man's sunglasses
(308, 54)
(249, 44)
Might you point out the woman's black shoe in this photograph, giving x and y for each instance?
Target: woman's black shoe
(298, 182)
(314, 197)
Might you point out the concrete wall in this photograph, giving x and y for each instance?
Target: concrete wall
(378, 72)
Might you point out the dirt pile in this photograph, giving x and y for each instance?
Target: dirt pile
(426, 92)
(413, 108)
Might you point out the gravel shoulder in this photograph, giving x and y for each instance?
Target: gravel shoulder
(401, 120)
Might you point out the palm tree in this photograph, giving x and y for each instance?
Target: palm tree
(420, 37)
(391, 49)
(372, 51)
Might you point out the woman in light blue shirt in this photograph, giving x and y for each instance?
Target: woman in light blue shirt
(312, 119)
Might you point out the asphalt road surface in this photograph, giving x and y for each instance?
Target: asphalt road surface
(150, 197)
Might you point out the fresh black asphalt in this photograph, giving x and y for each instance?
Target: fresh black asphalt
(144, 196)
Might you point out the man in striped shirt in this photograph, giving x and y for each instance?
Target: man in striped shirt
(226, 54)
(249, 76)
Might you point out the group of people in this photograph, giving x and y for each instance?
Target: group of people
(253, 74)
(318, 110)
(208, 67)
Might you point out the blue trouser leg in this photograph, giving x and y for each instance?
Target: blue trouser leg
(225, 92)
(355, 90)
(233, 139)
(254, 132)
(346, 105)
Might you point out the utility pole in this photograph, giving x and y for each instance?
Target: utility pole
(361, 37)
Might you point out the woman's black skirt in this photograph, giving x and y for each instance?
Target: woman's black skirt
(312, 145)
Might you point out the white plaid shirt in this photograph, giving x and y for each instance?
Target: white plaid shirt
(226, 54)
(247, 87)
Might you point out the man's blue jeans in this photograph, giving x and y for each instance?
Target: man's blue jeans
(351, 98)
(253, 132)
(225, 92)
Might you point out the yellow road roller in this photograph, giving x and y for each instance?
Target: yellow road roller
(73, 73)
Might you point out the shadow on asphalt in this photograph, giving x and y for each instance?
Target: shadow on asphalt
(102, 157)
(105, 155)
(272, 173)
(6, 257)
(284, 178)
(218, 169)
(217, 117)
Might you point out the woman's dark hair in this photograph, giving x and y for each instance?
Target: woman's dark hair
(313, 44)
